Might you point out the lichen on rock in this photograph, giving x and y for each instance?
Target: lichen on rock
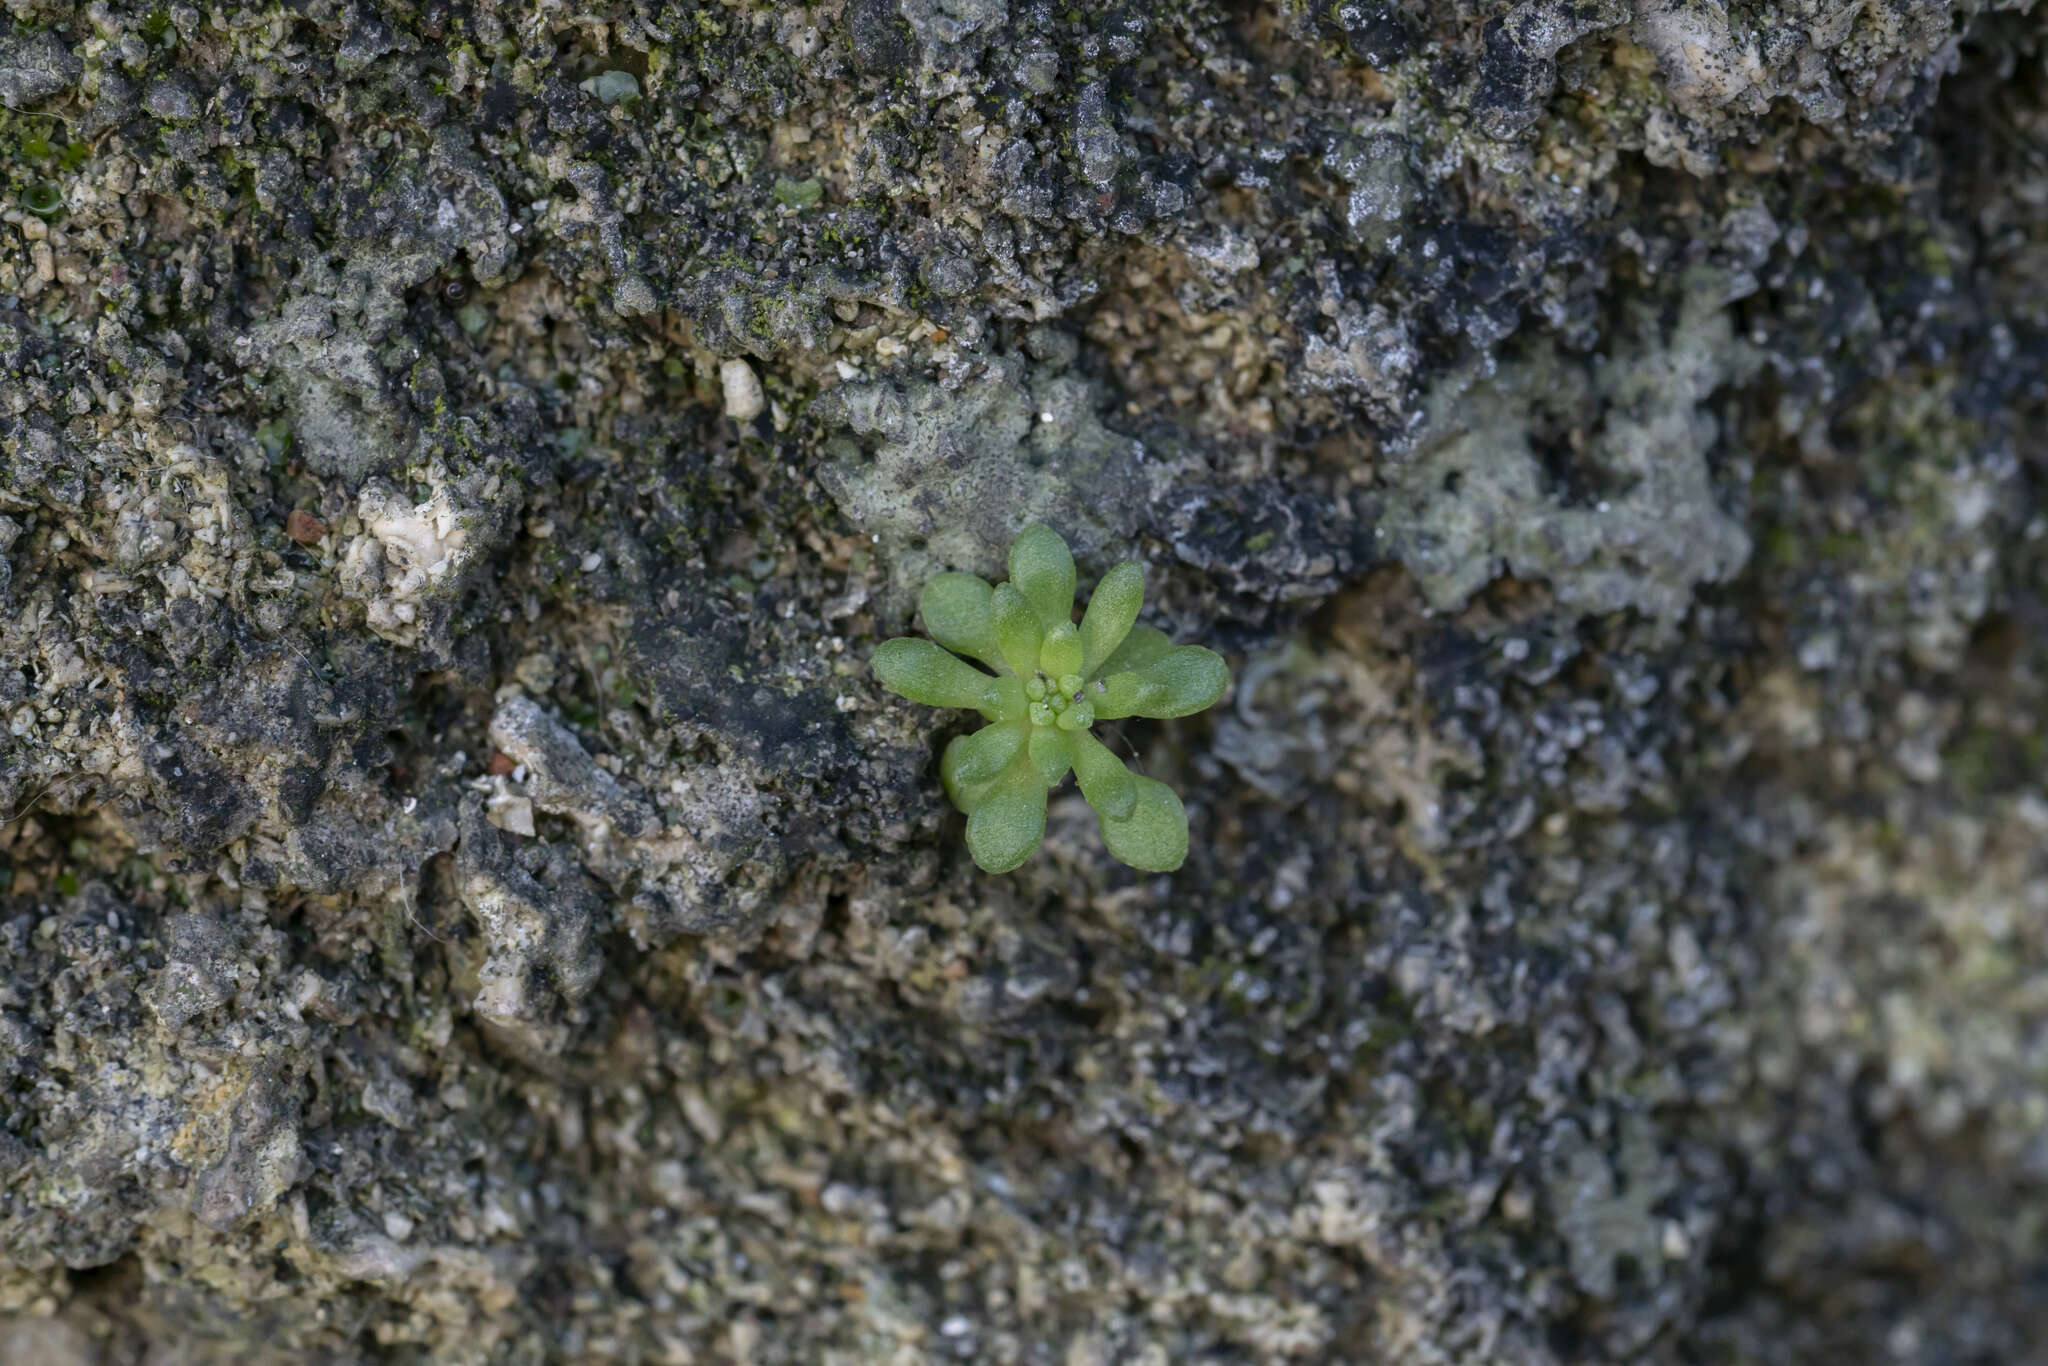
(1646, 526)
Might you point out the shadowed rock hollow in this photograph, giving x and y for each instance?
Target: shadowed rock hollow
(463, 898)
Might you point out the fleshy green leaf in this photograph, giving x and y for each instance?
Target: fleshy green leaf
(1143, 645)
(1192, 677)
(1111, 611)
(1006, 700)
(919, 670)
(971, 762)
(1061, 651)
(1017, 631)
(1105, 783)
(1008, 822)
(1120, 695)
(1181, 682)
(957, 614)
(1052, 753)
(967, 799)
(1154, 837)
(1042, 568)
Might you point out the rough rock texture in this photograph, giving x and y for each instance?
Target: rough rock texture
(463, 899)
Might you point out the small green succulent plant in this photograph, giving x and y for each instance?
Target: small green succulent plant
(1053, 680)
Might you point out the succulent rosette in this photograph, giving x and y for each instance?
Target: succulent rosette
(1046, 681)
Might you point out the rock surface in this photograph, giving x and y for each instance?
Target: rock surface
(464, 900)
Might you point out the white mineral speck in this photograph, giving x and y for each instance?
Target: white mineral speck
(744, 400)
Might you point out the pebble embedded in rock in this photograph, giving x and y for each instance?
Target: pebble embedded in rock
(744, 399)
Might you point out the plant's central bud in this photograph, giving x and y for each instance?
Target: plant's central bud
(1058, 701)
(1055, 689)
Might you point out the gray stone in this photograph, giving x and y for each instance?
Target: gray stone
(464, 897)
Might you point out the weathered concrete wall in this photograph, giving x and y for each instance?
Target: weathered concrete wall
(466, 900)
